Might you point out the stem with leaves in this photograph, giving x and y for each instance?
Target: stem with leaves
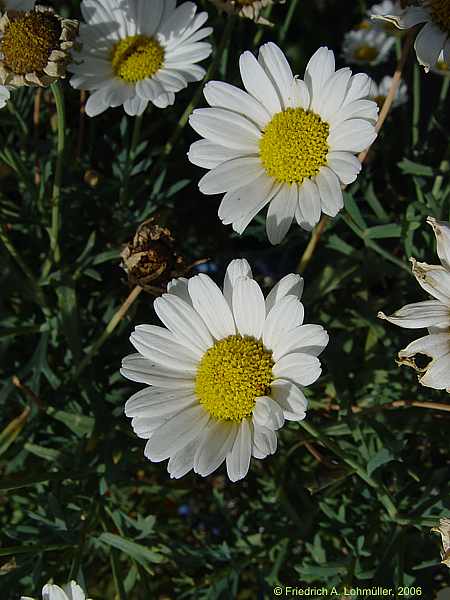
(56, 195)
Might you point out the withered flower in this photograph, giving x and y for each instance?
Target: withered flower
(444, 532)
(35, 46)
(151, 259)
(250, 9)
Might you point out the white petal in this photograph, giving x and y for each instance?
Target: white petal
(308, 208)
(352, 135)
(268, 413)
(214, 447)
(210, 304)
(430, 313)
(307, 339)
(74, 591)
(238, 460)
(442, 233)
(434, 279)
(53, 592)
(228, 96)
(264, 441)
(158, 402)
(437, 375)
(176, 433)
(301, 369)
(330, 191)
(299, 95)
(287, 314)
(281, 212)
(226, 128)
(231, 175)
(239, 267)
(275, 64)
(204, 153)
(291, 399)
(249, 308)
(429, 43)
(179, 287)
(291, 284)
(345, 165)
(183, 461)
(318, 70)
(184, 322)
(257, 83)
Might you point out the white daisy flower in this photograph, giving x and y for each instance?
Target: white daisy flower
(71, 591)
(431, 314)
(433, 38)
(284, 142)
(135, 52)
(386, 7)
(367, 46)
(379, 92)
(225, 374)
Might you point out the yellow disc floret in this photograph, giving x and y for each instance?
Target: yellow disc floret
(365, 53)
(440, 13)
(231, 375)
(28, 42)
(294, 145)
(137, 57)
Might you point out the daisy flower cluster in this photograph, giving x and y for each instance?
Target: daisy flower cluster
(227, 367)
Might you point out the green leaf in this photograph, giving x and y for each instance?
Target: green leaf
(391, 230)
(81, 425)
(381, 458)
(412, 168)
(141, 554)
(67, 302)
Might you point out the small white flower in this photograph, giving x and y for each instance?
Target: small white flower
(379, 92)
(431, 314)
(386, 7)
(225, 374)
(433, 38)
(367, 46)
(284, 142)
(71, 591)
(138, 51)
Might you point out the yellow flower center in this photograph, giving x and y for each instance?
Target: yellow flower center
(231, 375)
(136, 57)
(440, 13)
(294, 145)
(29, 40)
(366, 53)
(442, 66)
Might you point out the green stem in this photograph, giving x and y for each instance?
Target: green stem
(444, 89)
(56, 195)
(416, 105)
(287, 21)
(359, 470)
(130, 158)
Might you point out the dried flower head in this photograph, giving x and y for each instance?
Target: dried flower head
(246, 8)
(151, 259)
(35, 46)
(444, 532)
